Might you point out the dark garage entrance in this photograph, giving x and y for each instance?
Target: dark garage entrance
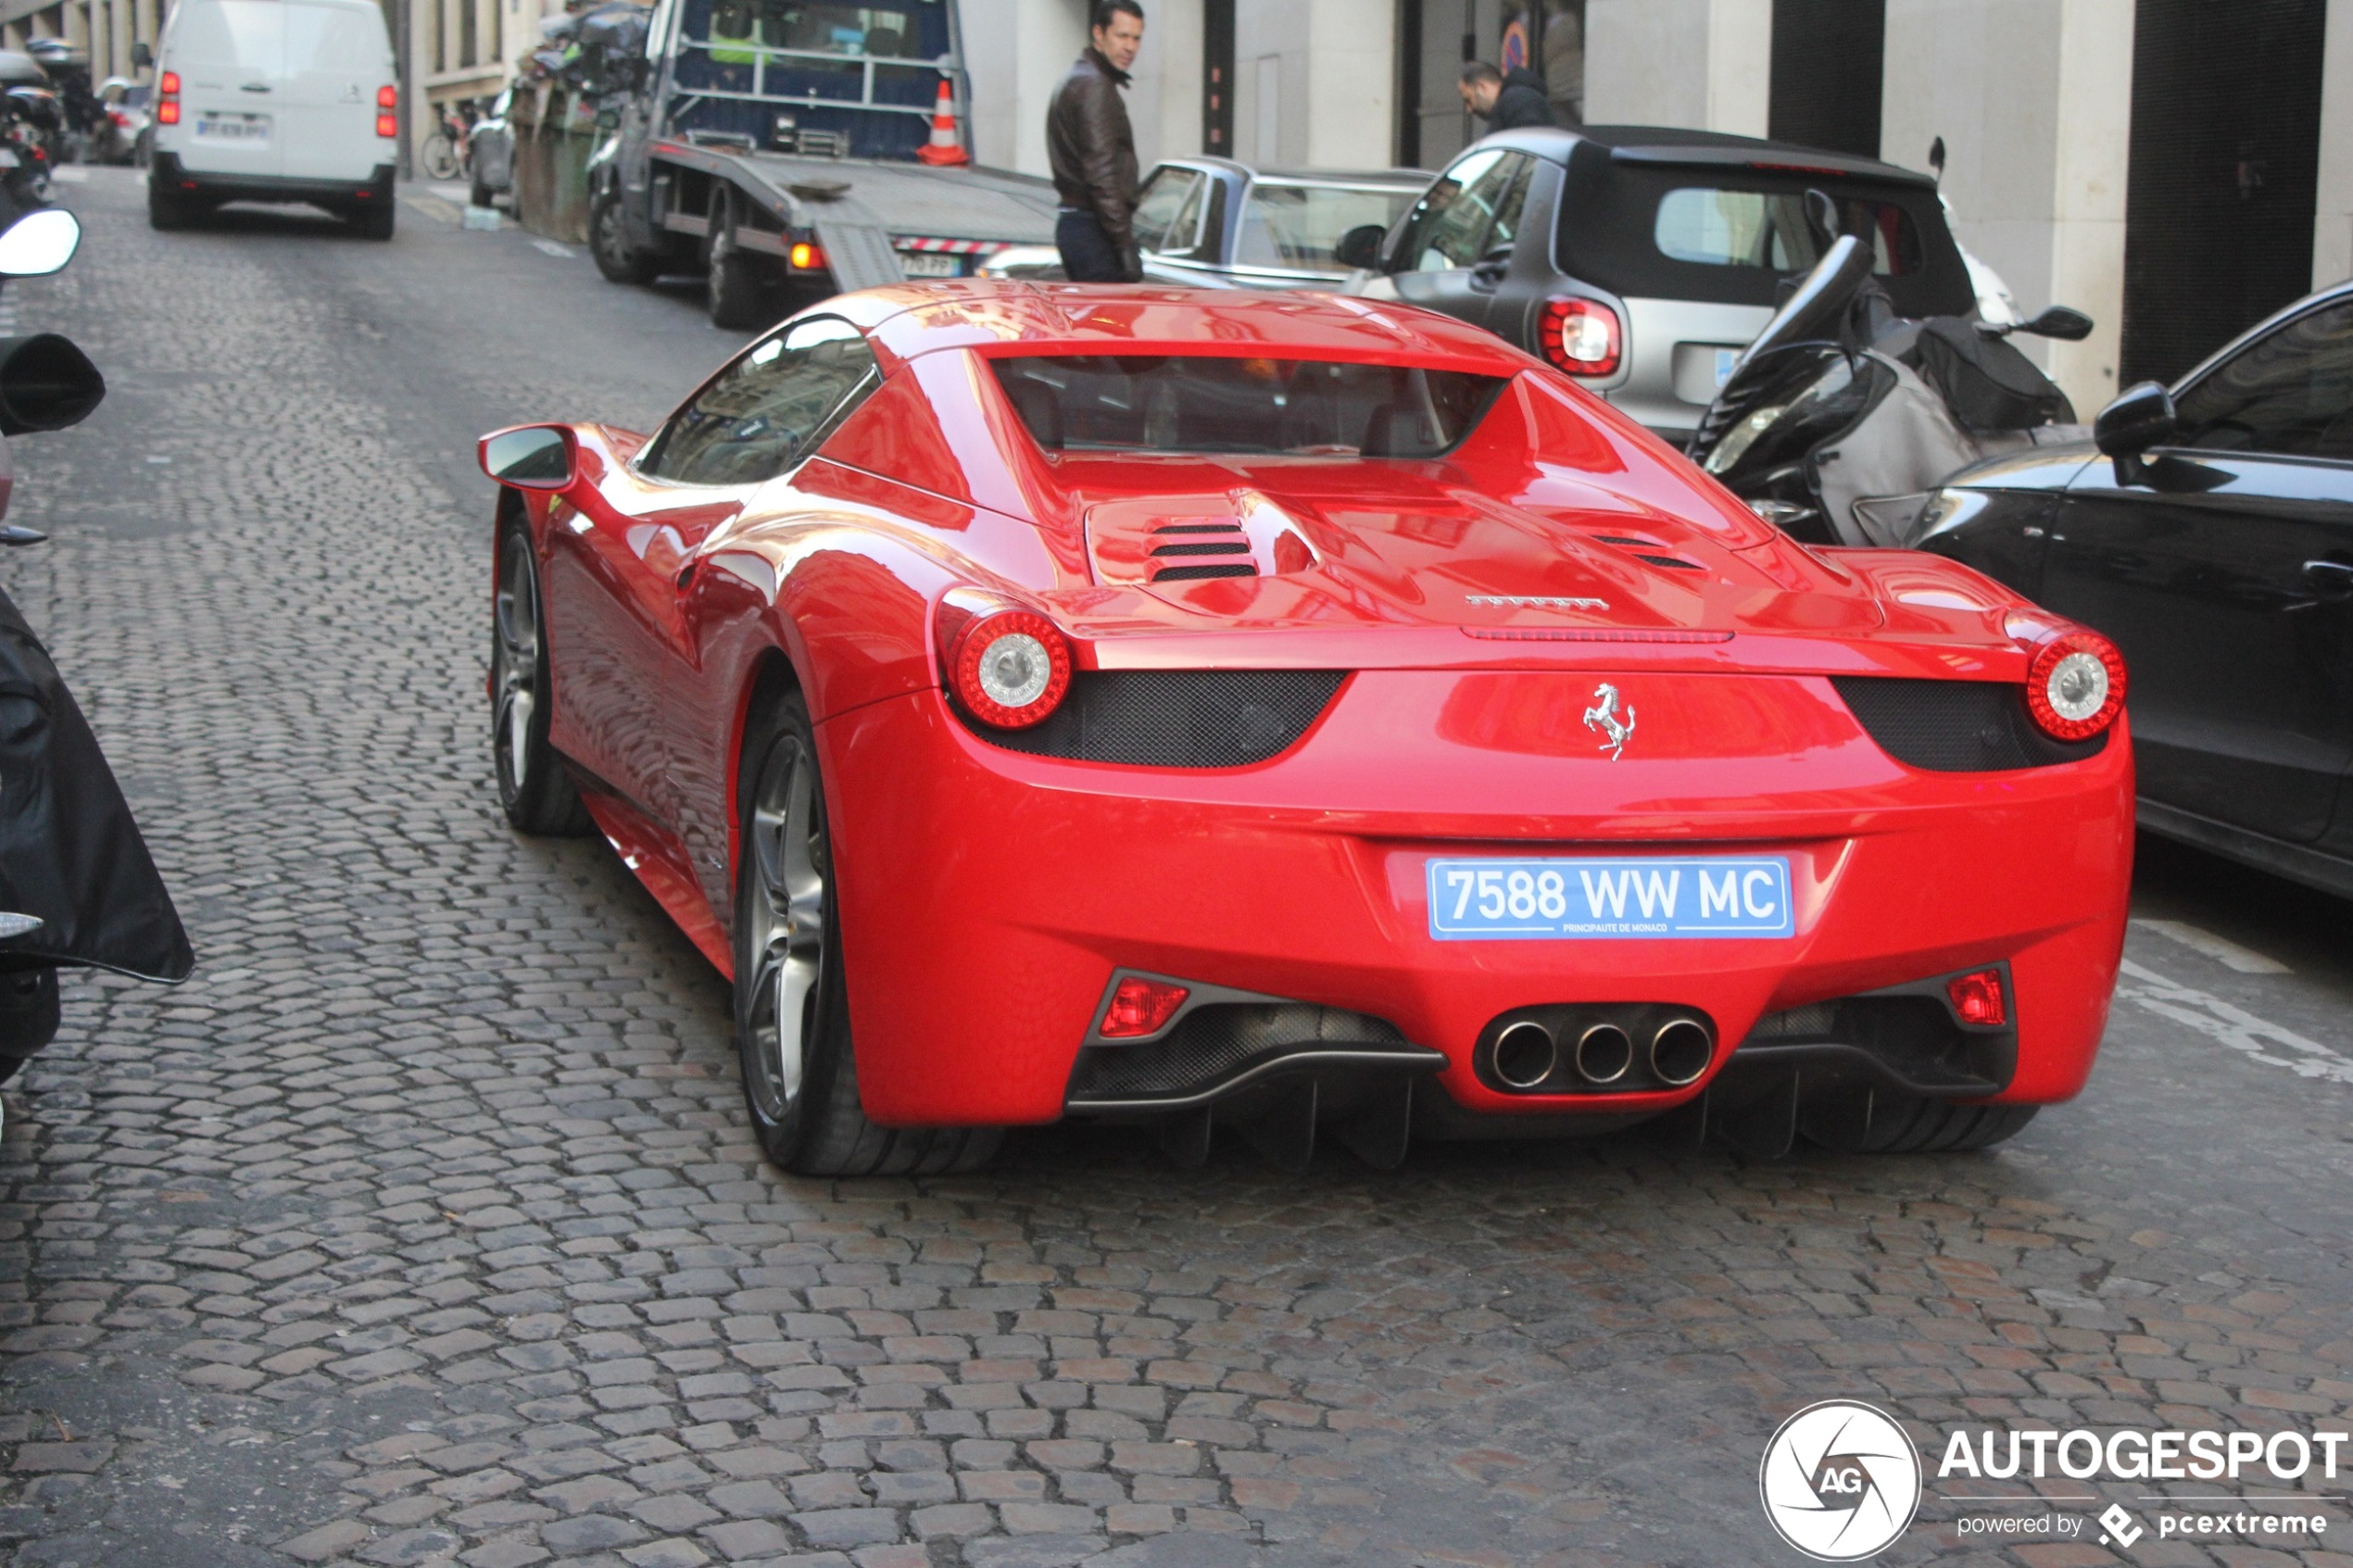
(2226, 153)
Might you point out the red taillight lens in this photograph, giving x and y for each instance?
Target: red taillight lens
(167, 113)
(1582, 336)
(1978, 998)
(170, 84)
(168, 106)
(388, 125)
(2075, 687)
(1010, 666)
(387, 97)
(1140, 1007)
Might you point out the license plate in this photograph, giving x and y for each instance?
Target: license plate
(930, 264)
(239, 128)
(1575, 897)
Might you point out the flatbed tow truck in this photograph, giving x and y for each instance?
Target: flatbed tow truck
(773, 145)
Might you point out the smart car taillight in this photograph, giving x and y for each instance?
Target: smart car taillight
(1582, 336)
(168, 99)
(387, 115)
(1140, 1007)
(2075, 687)
(1010, 668)
(1977, 998)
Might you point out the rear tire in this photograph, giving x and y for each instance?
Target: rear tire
(737, 279)
(792, 995)
(609, 244)
(1908, 1125)
(534, 790)
(167, 210)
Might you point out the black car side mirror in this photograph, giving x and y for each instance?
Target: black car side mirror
(2142, 416)
(2060, 322)
(141, 56)
(1360, 246)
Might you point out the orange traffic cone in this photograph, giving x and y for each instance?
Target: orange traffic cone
(944, 148)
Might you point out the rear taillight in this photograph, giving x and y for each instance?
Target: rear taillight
(168, 99)
(1140, 1007)
(1582, 336)
(1977, 998)
(1010, 668)
(387, 116)
(2075, 687)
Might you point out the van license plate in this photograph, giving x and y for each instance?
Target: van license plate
(233, 128)
(1581, 897)
(930, 264)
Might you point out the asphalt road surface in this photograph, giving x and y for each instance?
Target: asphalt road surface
(423, 1223)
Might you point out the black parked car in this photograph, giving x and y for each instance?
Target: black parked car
(2208, 529)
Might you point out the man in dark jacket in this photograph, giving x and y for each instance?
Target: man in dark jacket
(1509, 103)
(1093, 152)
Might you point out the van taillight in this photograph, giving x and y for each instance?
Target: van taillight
(168, 106)
(387, 118)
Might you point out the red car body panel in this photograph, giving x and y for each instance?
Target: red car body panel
(986, 894)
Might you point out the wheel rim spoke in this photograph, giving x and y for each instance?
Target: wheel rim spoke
(789, 906)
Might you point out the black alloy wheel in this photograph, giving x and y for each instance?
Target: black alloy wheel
(609, 244)
(537, 794)
(792, 999)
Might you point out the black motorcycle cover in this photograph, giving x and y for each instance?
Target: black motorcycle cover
(69, 852)
(1987, 383)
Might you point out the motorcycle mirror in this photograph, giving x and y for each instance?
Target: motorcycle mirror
(2142, 416)
(45, 383)
(530, 457)
(39, 244)
(141, 56)
(1360, 246)
(2063, 322)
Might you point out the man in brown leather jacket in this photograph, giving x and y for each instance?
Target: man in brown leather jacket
(1093, 152)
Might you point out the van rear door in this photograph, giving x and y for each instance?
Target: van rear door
(337, 55)
(228, 56)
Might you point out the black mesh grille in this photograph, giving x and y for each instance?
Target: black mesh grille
(1914, 1036)
(1215, 1042)
(1176, 718)
(1194, 573)
(1671, 562)
(1956, 726)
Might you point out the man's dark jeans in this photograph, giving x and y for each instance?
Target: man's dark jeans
(1088, 256)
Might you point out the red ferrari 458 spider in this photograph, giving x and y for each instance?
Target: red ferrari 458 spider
(1303, 714)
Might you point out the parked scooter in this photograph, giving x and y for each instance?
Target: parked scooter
(30, 122)
(77, 885)
(1841, 416)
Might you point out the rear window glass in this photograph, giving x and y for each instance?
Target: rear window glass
(1300, 408)
(1298, 227)
(1732, 227)
(1738, 236)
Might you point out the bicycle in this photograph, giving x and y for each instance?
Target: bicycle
(447, 152)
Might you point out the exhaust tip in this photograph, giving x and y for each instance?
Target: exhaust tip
(1603, 1053)
(1682, 1050)
(1525, 1055)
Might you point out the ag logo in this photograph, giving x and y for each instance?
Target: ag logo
(1841, 1481)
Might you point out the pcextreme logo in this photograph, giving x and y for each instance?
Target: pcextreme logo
(1840, 1480)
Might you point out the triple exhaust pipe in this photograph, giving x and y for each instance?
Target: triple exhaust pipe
(1528, 1053)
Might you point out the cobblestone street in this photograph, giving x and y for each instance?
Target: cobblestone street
(424, 1224)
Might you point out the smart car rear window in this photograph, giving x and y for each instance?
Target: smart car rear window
(1189, 403)
(1719, 227)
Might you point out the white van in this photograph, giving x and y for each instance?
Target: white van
(275, 100)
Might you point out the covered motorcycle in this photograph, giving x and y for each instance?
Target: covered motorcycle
(1841, 416)
(77, 884)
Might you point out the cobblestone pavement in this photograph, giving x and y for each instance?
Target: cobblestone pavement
(422, 1224)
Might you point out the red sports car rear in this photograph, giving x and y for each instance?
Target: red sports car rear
(1300, 715)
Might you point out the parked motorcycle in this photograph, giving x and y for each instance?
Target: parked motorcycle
(77, 885)
(30, 122)
(1841, 416)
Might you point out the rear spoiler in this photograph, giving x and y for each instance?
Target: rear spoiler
(1791, 160)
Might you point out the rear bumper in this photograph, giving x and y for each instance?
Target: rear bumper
(374, 191)
(988, 897)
